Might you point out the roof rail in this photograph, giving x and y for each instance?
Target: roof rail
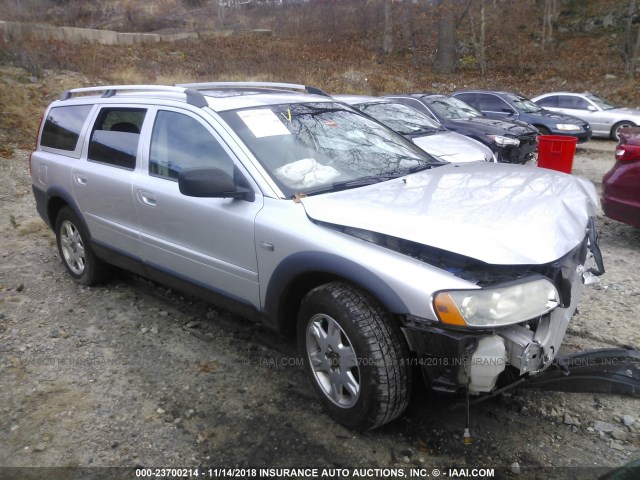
(275, 85)
(194, 97)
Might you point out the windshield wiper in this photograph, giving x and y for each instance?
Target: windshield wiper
(371, 179)
(421, 131)
(358, 182)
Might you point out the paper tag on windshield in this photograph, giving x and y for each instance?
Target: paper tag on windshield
(263, 123)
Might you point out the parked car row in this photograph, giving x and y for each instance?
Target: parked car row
(425, 132)
(511, 141)
(505, 122)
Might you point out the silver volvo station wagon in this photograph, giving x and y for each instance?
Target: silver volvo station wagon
(282, 205)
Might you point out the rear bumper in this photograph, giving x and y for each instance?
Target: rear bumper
(625, 211)
(41, 203)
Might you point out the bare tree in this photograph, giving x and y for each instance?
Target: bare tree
(635, 51)
(406, 20)
(549, 18)
(630, 48)
(446, 57)
(387, 36)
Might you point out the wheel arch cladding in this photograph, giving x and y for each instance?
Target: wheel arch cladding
(56, 201)
(297, 274)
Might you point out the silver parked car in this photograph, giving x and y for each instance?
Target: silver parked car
(605, 118)
(301, 212)
(421, 129)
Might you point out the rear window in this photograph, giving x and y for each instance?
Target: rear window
(62, 127)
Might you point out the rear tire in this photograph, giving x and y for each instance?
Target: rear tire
(355, 356)
(75, 250)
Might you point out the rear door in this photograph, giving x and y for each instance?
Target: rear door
(208, 241)
(102, 181)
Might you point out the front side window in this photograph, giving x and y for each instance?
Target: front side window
(452, 108)
(491, 103)
(600, 102)
(115, 137)
(180, 142)
(63, 125)
(524, 104)
(317, 147)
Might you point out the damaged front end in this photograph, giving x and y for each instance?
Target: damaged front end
(511, 327)
(524, 242)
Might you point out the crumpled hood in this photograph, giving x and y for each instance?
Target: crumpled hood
(453, 147)
(497, 213)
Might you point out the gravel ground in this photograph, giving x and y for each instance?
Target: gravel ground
(132, 374)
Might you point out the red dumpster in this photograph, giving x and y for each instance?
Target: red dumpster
(556, 152)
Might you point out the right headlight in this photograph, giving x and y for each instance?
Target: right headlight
(503, 141)
(496, 306)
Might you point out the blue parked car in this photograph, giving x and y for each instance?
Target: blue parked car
(513, 106)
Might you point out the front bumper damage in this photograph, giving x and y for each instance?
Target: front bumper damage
(454, 359)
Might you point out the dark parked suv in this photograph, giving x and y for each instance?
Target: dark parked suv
(513, 106)
(511, 141)
(282, 205)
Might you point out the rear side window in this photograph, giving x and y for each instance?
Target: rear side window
(115, 137)
(63, 125)
(467, 98)
(576, 103)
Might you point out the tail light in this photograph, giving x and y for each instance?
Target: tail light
(627, 152)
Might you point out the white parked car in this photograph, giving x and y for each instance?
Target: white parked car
(605, 118)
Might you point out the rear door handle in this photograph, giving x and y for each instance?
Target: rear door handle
(147, 198)
(79, 178)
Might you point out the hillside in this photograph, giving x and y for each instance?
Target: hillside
(333, 45)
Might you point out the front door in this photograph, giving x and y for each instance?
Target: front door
(209, 241)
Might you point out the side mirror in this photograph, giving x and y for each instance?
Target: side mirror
(591, 108)
(212, 183)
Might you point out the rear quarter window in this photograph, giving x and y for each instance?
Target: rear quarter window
(62, 127)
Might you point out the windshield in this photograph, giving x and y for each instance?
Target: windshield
(313, 147)
(452, 108)
(601, 102)
(524, 104)
(401, 118)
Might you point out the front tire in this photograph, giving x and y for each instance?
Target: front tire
(75, 250)
(355, 356)
(615, 131)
